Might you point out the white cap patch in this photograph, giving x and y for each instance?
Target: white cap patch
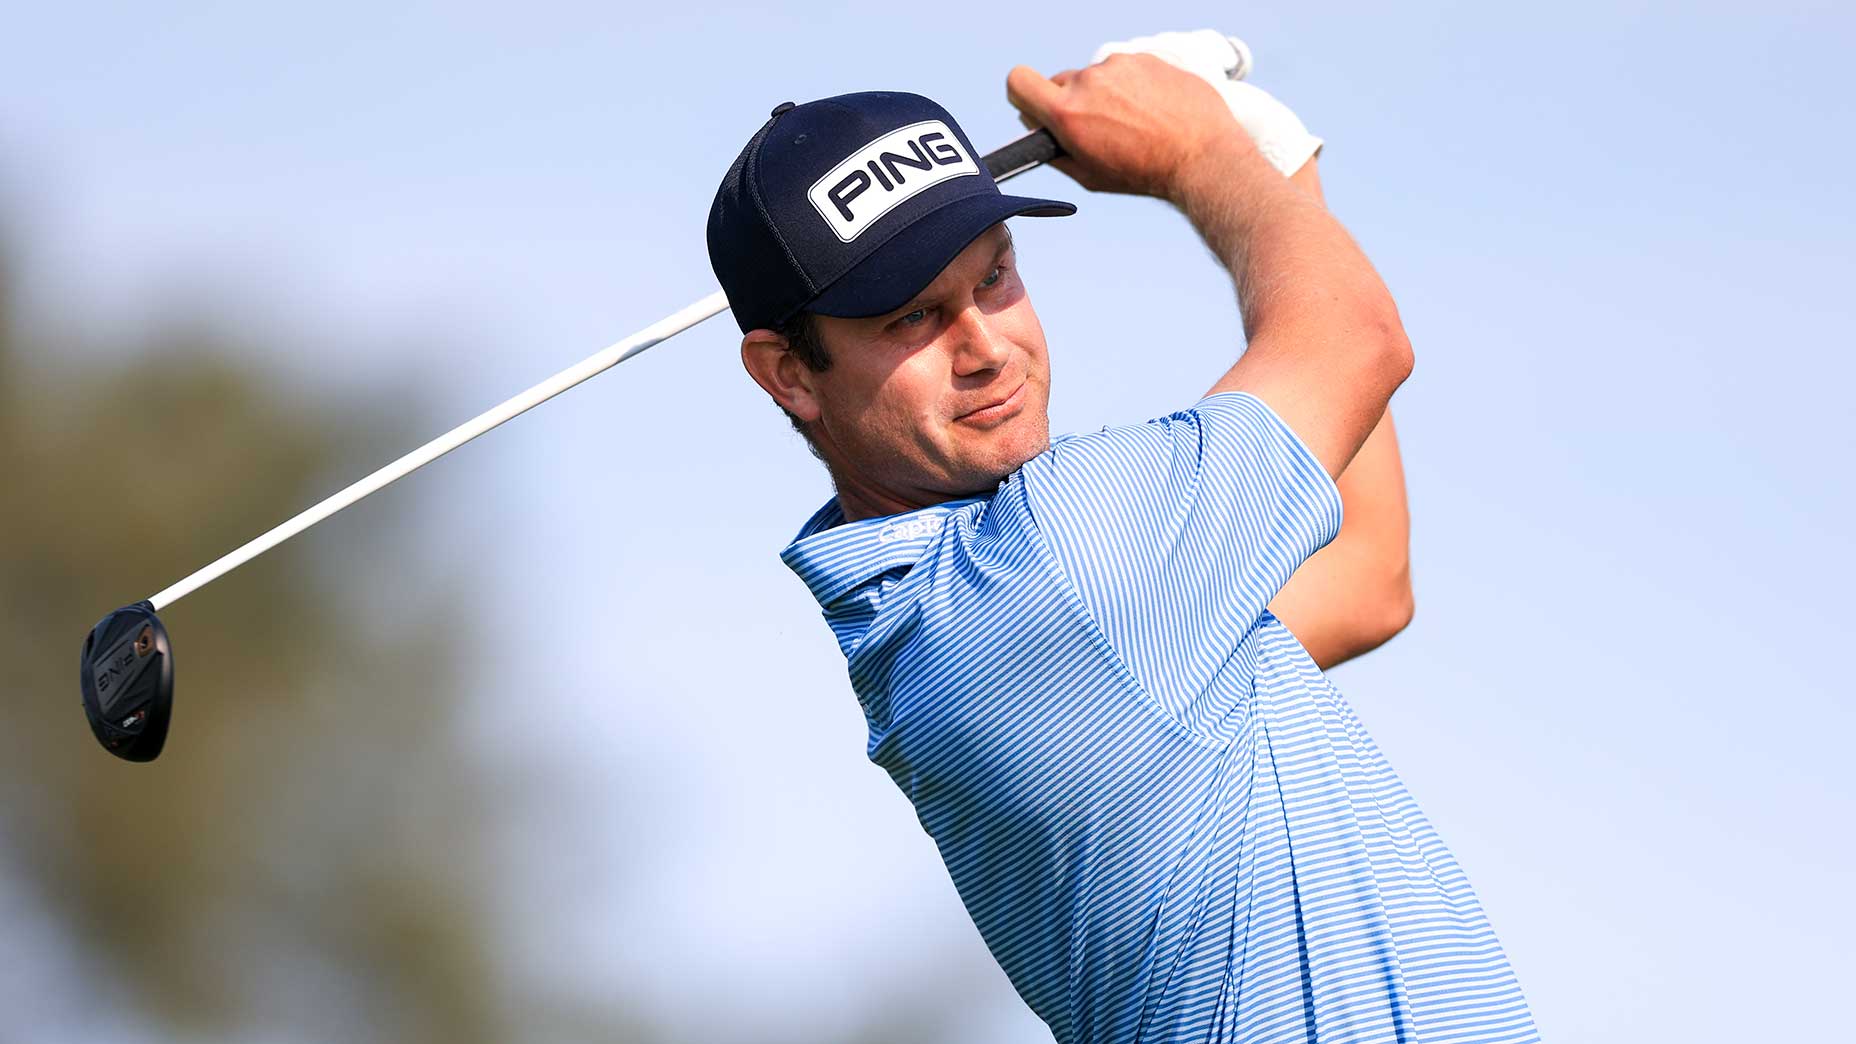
(874, 179)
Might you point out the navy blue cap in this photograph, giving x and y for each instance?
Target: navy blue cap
(850, 206)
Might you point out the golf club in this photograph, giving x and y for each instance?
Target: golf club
(127, 667)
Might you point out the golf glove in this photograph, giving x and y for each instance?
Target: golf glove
(1223, 61)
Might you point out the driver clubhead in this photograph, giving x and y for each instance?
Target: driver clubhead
(127, 673)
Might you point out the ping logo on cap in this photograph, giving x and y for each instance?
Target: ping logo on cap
(874, 179)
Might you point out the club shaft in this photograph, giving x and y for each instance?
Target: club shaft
(656, 333)
(1030, 151)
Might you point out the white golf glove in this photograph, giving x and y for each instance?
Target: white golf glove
(1224, 61)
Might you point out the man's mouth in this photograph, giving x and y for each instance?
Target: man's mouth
(997, 411)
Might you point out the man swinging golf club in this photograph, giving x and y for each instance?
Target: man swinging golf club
(1092, 663)
(1164, 820)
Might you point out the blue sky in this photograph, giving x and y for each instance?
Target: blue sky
(1619, 235)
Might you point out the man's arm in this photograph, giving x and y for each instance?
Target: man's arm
(1326, 348)
(1355, 594)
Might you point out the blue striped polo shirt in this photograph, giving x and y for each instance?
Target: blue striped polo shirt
(1165, 821)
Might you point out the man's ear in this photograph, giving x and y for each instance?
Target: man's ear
(780, 373)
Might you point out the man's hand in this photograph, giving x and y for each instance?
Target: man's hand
(1133, 124)
(1224, 62)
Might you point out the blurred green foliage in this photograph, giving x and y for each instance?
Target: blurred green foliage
(312, 856)
(305, 859)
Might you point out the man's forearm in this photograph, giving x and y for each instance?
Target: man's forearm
(1298, 273)
(1310, 299)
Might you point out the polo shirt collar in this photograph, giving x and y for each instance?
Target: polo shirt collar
(835, 557)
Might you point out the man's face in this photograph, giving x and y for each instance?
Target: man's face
(940, 399)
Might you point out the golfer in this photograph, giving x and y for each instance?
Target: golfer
(1164, 820)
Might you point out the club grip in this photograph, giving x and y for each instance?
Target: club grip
(1032, 150)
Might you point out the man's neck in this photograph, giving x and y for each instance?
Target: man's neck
(857, 503)
(858, 499)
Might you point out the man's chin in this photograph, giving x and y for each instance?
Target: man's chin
(987, 477)
(1032, 439)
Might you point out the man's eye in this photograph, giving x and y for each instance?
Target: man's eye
(997, 274)
(914, 317)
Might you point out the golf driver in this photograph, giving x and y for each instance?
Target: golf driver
(127, 667)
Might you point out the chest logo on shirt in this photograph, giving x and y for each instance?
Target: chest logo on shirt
(874, 179)
(910, 529)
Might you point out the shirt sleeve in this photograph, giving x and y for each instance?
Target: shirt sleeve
(1176, 533)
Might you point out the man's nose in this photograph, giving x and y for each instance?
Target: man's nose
(977, 347)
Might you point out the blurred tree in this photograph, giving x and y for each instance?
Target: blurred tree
(304, 860)
(308, 858)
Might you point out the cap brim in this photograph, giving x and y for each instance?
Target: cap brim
(902, 267)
